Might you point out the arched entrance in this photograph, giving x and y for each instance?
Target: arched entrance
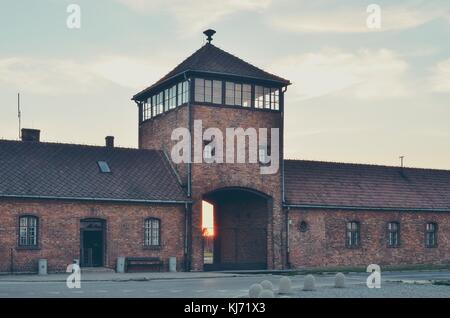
(240, 229)
(92, 242)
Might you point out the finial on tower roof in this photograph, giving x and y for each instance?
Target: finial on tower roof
(209, 33)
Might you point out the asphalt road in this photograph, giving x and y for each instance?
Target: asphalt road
(228, 287)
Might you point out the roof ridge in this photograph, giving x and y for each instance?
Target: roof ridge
(373, 165)
(66, 144)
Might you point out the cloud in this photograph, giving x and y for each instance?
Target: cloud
(195, 15)
(46, 76)
(353, 20)
(56, 77)
(364, 74)
(440, 78)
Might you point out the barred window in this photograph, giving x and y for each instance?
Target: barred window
(28, 231)
(393, 234)
(353, 234)
(152, 234)
(431, 235)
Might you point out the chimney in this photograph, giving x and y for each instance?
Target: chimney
(33, 135)
(110, 141)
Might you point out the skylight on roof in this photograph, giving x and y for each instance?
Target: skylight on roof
(104, 167)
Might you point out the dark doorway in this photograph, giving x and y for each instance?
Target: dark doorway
(92, 240)
(240, 230)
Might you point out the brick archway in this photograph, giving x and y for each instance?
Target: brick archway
(241, 229)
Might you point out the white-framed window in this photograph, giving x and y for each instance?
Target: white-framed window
(28, 231)
(152, 232)
(353, 234)
(393, 234)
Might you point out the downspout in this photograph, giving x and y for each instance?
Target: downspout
(283, 198)
(188, 207)
(189, 183)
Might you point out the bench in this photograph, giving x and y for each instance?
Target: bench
(143, 262)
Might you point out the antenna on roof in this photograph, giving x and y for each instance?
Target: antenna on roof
(401, 160)
(19, 115)
(209, 33)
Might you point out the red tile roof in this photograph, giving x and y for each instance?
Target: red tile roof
(359, 185)
(53, 170)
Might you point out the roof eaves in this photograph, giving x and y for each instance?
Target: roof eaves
(365, 208)
(37, 197)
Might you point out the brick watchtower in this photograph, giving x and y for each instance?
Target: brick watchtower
(214, 89)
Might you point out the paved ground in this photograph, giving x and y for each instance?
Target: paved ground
(218, 285)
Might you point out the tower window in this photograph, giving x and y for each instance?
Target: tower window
(147, 109)
(233, 94)
(259, 97)
(267, 98)
(172, 97)
(183, 93)
(431, 234)
(199, 90)
(246, 95)
(217, 92)
(104, 167)
(353, 234)
(393, 234)
(208, 91)
(28, 231)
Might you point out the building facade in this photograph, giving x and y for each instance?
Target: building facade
(63, 202)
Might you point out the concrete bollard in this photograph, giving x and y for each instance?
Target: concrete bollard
(339, 280)
(310, 283)
(255, 290)
(285, 285)
(266, 284)
(172, 264)
(120, 266)
(42, 270)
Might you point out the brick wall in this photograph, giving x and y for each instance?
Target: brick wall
(210, 177)
(323, 244)
(59, 232)
(155, 134)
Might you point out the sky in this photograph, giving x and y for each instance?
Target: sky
(359, 94)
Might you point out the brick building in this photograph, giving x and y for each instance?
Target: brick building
(62, 202)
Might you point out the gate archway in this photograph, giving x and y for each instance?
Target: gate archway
(240, 229)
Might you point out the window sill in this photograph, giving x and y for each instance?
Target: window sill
(28, 248)
(153, 248)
